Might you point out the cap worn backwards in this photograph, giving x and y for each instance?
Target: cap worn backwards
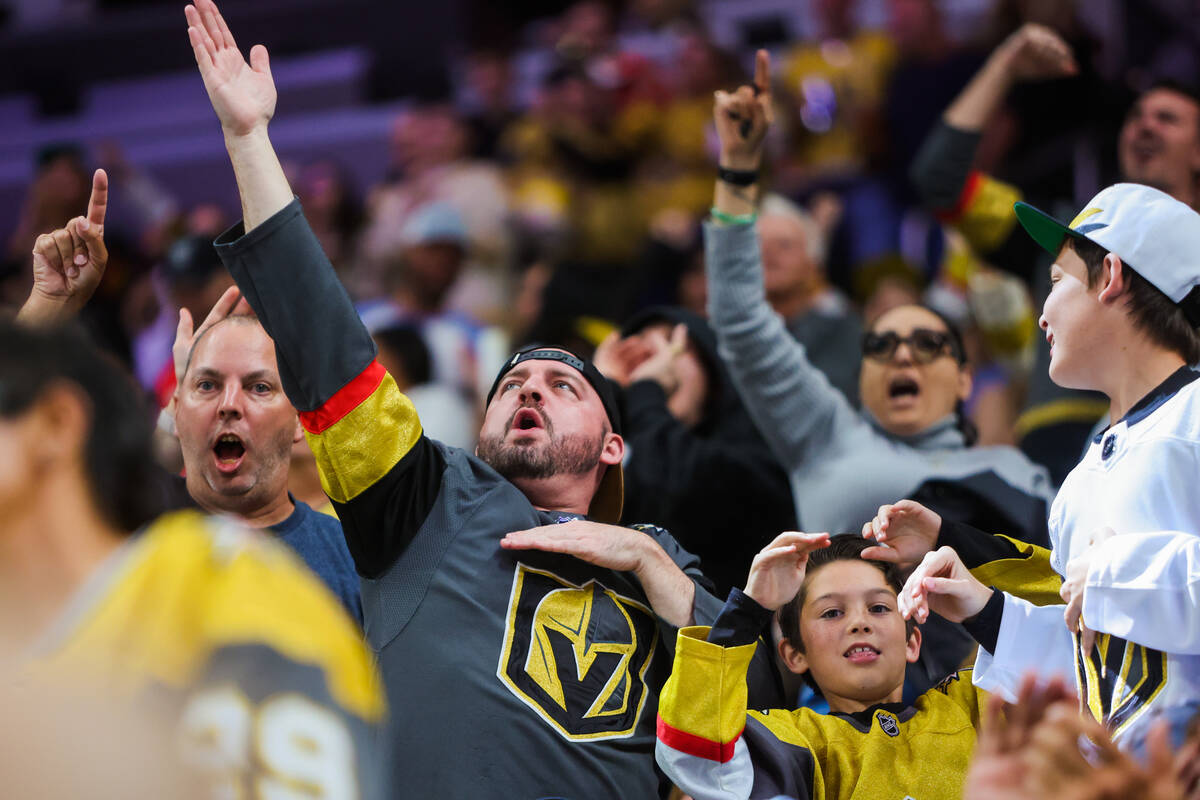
(609, 498)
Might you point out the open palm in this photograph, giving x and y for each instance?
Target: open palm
(778, 570)
(243, 94)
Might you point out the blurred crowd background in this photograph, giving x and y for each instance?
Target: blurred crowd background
(485, 174)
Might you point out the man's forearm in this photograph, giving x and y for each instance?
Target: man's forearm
(976, 103)
(671, 592)
(262, 185)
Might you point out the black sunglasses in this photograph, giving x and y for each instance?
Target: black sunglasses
(924, 344)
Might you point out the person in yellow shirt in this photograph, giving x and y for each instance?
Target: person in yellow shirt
(220, 634)
(844, 632)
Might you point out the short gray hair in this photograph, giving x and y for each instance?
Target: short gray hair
(776, 205)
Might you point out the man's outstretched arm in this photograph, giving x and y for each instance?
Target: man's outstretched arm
(243, 95)
(381, 472)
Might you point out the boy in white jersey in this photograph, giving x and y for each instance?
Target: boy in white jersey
(1121, 318)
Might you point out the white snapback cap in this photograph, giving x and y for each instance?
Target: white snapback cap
(1154, 234)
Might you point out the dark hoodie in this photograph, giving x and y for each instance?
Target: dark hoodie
(715, 486)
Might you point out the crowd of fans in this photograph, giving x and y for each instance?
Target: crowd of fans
(534, 402)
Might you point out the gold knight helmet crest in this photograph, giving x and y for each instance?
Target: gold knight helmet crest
(577, 655)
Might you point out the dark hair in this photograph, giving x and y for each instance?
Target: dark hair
(52, 152)
(1152, 312)
(127, 487)
(958, 349)
(1173, 85)
(408, 346)
(843, 547)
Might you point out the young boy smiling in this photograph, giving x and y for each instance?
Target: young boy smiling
(1122, 319)
(843, 630)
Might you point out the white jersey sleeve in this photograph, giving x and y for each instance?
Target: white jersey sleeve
(1032, 639)
(1145, 587)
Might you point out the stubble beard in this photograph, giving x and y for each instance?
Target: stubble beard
(573, 454)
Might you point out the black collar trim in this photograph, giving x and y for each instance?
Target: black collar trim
(1159, 395)
(862, 720)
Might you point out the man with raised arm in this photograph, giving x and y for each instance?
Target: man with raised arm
(233, 653)
(519, 637)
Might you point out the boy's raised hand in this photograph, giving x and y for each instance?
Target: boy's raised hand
(230, 304)
(943, 584)
(777, 572)
(906, 532)
(243, 94)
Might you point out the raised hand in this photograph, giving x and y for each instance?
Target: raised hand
(778, 570)
(998, 767)
(616, 358)
(231, 303)
(68, 263)
(660, 365)
(1058, 767)
(743, 116)
(942, 584)
(243, 94)
(906, 532)
(1035, 52)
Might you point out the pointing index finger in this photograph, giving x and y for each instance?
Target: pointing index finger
(98, 202)
(762, 72)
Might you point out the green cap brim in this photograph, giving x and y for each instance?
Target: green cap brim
(1043, 228)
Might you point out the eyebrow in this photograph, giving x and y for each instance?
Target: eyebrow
(521, 373)
(256, 375)
(869, 593)
(556, 372)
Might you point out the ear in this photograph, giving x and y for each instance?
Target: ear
(614, 450)
(298, 435)
(966, 382)
(912, 650)
(59, 424)
(1114, 280)
(792, 658)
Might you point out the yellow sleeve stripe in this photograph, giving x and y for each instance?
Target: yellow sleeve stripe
(366, 442)
(984, 213)
(1029, 577)
(705, 698)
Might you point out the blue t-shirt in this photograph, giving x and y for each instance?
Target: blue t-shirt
(319, 541)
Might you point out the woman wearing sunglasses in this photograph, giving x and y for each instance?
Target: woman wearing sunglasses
(910, 439)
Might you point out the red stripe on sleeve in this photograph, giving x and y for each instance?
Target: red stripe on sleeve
(345, 400)
(970, 189)
(694, 745)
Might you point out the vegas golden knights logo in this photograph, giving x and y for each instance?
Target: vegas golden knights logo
(577, 655)
(1120, 679)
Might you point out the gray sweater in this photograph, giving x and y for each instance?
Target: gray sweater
(841, 464)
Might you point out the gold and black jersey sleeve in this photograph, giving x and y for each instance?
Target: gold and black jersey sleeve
(1010, 565)
(381, 472)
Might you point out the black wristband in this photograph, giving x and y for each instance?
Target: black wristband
(737, 177)
(984, 627)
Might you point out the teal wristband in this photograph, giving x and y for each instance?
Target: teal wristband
(732, 219)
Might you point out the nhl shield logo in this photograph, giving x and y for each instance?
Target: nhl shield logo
(888, 723)
(577, 655)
